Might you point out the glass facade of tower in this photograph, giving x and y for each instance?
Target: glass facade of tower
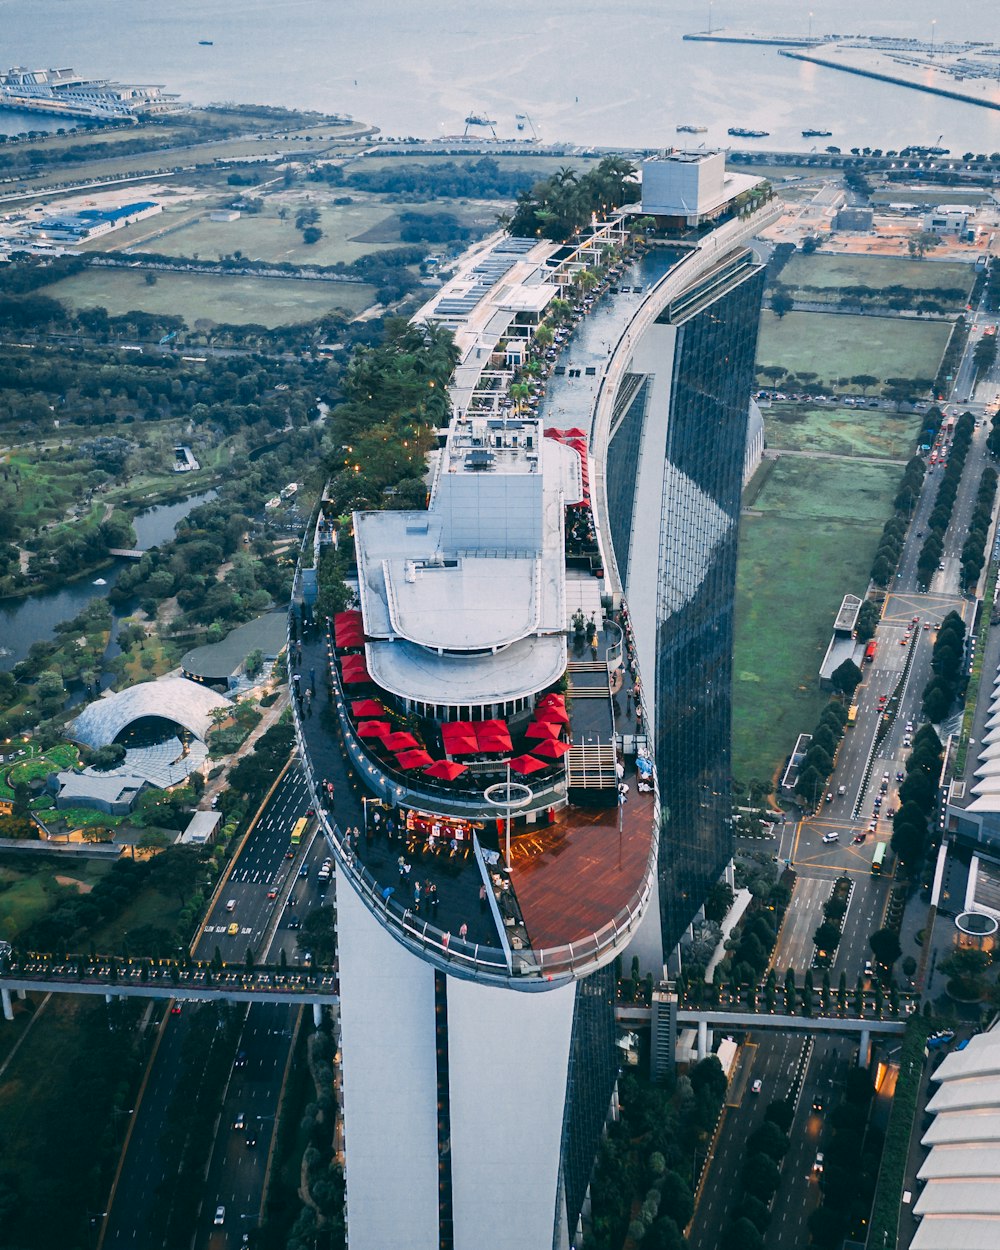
(706, 436)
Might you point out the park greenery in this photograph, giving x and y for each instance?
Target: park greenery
(557, 207)
(483, 179)
(944, 500)
(644, 1179)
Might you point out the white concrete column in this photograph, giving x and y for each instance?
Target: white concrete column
(317, 1014)
(702, 1039)
(22, 995)
(865, 1048)
(8, 1006)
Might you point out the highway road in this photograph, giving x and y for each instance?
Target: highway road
(788, 1067)
(235, 1175)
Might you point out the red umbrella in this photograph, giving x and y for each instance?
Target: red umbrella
(401, 741)
(463, 746)
(367, 707)
(445, 770)
(552, 750)
(347, 618)
(526, 764)
(575, 432)
(457, 729)
(552, 715)
(542, 729)
(414, 759)
(374, 729)
(492, 738)
(355, 676)
(552, 700)
(349, 638)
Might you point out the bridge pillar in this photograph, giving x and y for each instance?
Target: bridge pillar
(865, 1048)
(8, 1006)
(109, 999)
(317, 1014)
(22, 995)
(702, 1039)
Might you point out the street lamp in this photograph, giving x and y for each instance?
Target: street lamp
(508, 795)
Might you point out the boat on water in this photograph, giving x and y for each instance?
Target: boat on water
(99, 581)
(206, 43)
(816, 134)
(740, 132)
(691, 130)
(479, 119)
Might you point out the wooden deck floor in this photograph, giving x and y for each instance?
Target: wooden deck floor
(573, 876)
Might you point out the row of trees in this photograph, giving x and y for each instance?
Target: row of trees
(974, 547)
(890, 546)
(818, 763)
(897, 297)
(482, 179)
(852, 1154)
(760, 1176)
(944, 501)
(826, 939)
(947, 664)
(984, 354)
(917, 800)
(993, 442)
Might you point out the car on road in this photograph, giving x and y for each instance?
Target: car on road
(909, 726)
(240, 1121)
(859, 837)
(241, 1059)
(818, 1162)
(233, 929)
(251, 1139)
(757, 1086)
(273, 892)
(907, 741)
(294, 923)
(175, 1010)
(842, 790)
(231, 905)
(304, 870)
(900, 775)
(829, 797)
(220, 1215)
(831, 837)
(817, 1103)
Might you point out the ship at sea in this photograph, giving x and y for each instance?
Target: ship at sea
(740, 132)
(691, 130)
(816, 134)
(65, 93)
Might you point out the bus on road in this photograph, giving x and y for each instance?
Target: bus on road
(298, 829)
(879, 860)
(852, 714)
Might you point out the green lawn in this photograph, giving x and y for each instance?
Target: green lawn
(27, 893)
(832, 272)
(834, 346)
(812, 544)
(235, 300)
(841, 431)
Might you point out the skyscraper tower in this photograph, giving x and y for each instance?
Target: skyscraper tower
(525, 658)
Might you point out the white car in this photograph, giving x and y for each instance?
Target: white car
(831, 837)
(220, 1215)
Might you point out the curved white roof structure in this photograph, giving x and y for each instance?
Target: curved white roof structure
(176, 699)
(960, 1202)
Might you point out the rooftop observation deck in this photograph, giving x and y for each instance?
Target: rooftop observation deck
(577, 879)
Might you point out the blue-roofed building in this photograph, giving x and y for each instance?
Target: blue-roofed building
(90, 223)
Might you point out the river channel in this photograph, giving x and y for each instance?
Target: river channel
(34, 617)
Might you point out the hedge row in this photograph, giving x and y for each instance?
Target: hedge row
(944, 503)
(890, 545)
(974, 550)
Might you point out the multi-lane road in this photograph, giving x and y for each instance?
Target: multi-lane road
(236, 1168)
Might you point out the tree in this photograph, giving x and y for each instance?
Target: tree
(760, 1177)
(769, 1139)
(311, 235)
(781, 302)
(827, 936)
(176, 871)
(319, 934)
(676, 1200)
(664, 1234)
(885, 946)
(254, 662)
(742, 1234)
(846, 677)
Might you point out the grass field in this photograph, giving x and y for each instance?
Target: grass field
(349, 231)
(834, 346)
(812, 543)
(195, 297)
(841, 431)
(26, 894)
(832, 272)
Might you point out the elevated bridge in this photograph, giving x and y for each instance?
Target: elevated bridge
(140, 978)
